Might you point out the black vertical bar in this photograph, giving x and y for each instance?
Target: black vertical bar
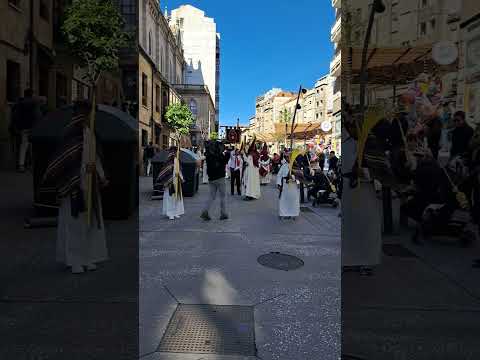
(302, 193)
(387, 210)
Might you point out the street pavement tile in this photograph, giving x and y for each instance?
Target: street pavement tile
(411, 334)
(216, 263)
(410, 283)
(32, 331)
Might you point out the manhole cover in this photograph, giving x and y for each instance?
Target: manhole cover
(305, 209)
(210, 329)
(397, 250)
(276, 260)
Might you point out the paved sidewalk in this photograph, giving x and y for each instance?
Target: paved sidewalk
(425, 307)
(195, 262)
(48, 313)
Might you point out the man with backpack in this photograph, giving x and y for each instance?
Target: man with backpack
(216, 158)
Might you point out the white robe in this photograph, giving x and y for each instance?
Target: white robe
(361, 216)
(266, 165)
(77, 244)
(204, 171)
(173, 207)
(251, 180)
(289, 202)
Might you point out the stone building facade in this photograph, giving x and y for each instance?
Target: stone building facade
(201, 46)
(26, 56)
(160, 65)
(33, 55)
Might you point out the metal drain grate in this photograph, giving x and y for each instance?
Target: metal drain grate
(306, 209)
(397, 250)
(210, 329)
(276, 260)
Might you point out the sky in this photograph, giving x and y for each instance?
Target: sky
(266, 44)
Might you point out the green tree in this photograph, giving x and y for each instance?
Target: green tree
(285, 116)
(213, 135)
(93, 31)
(179, 118)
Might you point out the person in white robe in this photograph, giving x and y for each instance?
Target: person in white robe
(79, 245)
(251, 175)
(289, 200)
(361, 213)
(265, 166)
(171, 178)
(204, 170)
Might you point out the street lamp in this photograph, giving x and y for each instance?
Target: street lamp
(297, 107)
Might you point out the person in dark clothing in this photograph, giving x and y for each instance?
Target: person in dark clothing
(148, 154)
(333, 162)
(25, 115)
(217, 158)
(235, 164)
(434, 135)
(461, 135)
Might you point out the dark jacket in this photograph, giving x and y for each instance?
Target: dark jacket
(461, 137)
(25, 114)
(216, 163)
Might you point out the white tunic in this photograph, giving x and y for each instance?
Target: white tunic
(267, 178)
(251, 180)
(77, 244)
(173, 207)
(361, 216)
(289, 202)
(204, 171)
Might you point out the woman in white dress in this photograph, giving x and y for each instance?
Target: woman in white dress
(289, 200)
(79, 245)
(171, 178)
(361, 214)
(251, 176)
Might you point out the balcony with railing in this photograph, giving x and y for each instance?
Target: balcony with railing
(335, 65)
(336, 31)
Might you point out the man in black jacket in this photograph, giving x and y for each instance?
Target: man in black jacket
(461, 135)
(217, 158)
(25, 115)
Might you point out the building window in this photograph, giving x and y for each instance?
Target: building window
(128, 9)
(13, 81)
(423, 28)
(150, 43)
(164, 141)
(424, 3)
(157, 98)
(433, 23)
(317, 116)
(144, 90)
(144, 137)
(193, 107)
(44, 10)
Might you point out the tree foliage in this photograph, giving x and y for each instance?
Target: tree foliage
(179, 118)
(285, 116)
(213, 136)
(94, 33)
